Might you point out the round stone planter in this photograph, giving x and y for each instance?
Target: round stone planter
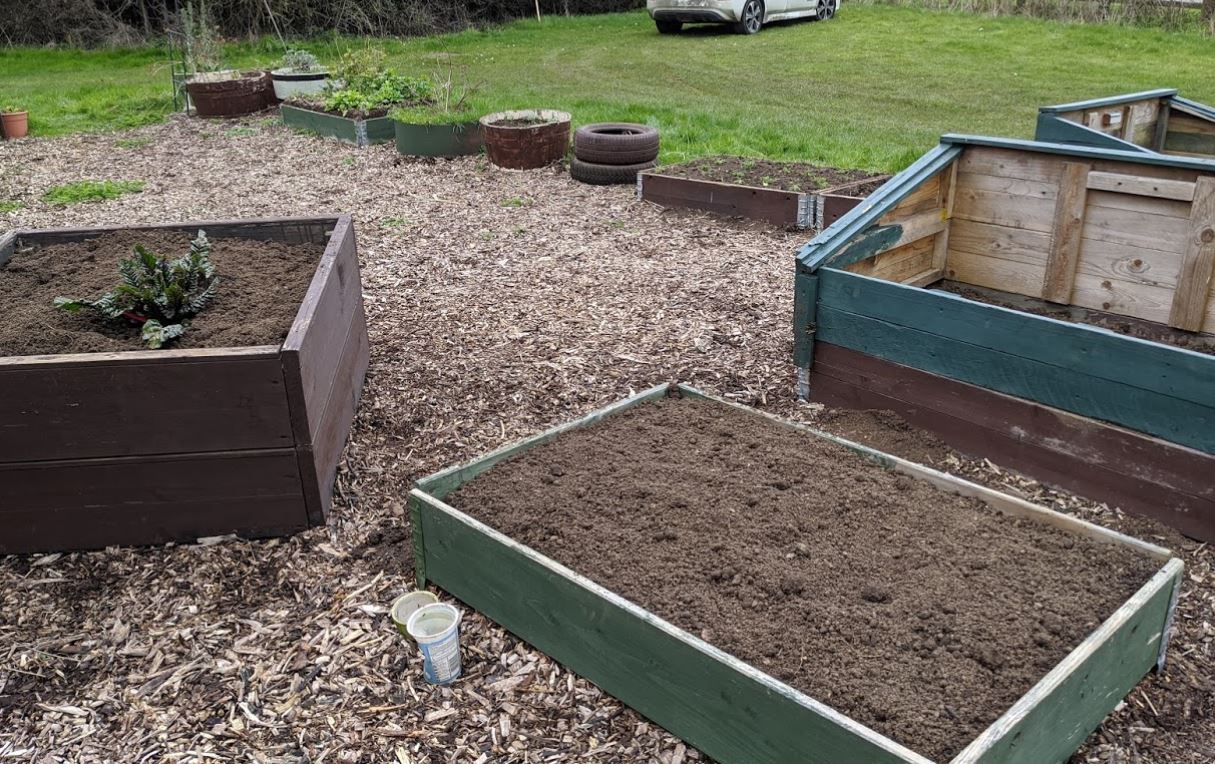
(290, 84)
(459, 139)
(230, 94)
(525, 140)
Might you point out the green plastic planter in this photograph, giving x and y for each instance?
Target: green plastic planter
(361, 132)
(459, 139)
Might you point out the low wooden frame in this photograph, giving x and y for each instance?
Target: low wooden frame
(1157, 121)
(147, 447)
(729, 709)
(809, 210)
(1125, 238)
(361, 132)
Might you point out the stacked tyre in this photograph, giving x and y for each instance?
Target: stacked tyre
(613, 152)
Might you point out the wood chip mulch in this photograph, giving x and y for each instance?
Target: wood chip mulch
(499, 303)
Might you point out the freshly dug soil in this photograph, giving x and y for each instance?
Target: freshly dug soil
(761, 173)
(319, 106)
(922, 614)
(261, 285)
(1132, 327)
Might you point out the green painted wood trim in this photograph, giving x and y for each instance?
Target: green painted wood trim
(327, 125)
(1055, 129)
(416, 531)
(445, 481)
(459, 139)
(1096, 103)
(1193, 108)
(805, 304)
(1190, 143)
(1175, 420)
(830, 245)
(1054, 718)
(1088, 152)
(1089, 350)
(726, 708)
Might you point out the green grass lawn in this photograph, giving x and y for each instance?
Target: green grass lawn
(873, 89)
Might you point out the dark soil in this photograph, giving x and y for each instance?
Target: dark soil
(919, 613)
(1132, 327)
(319, 106)
(260, 289)
(798, 177)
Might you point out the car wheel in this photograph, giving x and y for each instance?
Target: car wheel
(667, 26)
(826, 10)
(751, 18)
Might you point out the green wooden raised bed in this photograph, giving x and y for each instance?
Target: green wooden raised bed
(361, 132)
(1042, 241)
(729, 709)
(1158, 121)
(461, 139)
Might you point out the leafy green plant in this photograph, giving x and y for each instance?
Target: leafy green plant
(366, 84)
(158, 293)
(10, 109)
(91, 191)
(300, 62)
(10, 205)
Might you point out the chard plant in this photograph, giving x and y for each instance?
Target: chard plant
(158, 293)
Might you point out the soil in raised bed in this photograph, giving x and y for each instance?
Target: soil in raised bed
(922, 614)
(799, 177)
(1132, 327)
(312, 104)
(261, 286)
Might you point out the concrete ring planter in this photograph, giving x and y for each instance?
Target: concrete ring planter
(452, 140)
(233, 95)
(537, 138)
(290, 84)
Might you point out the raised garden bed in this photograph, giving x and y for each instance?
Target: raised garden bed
(239, 429)
(914, 616)
(1021, 232)
(361, 131)
(1155, 121)
(784, 193)
(439, 140)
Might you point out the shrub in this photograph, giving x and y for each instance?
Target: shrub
(366, 84)
(300, 62)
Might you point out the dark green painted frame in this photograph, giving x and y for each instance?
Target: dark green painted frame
(1055, 129)
(727, 708)
(440, 140)
(1158, 389)
(361, 132)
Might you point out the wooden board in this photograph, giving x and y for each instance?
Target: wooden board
(726, 708)
(1138, 473)
(773, 205)
(1064, 253)
(1191, 298)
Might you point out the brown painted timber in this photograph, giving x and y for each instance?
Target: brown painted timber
(147, 447)
(1139, 473)
(774, 206)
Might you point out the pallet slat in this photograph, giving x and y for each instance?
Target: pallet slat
(1194, 282)
(1064, 254)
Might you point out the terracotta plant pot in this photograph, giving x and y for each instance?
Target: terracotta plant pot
(15, 124)
(230, 94)
(525, 140)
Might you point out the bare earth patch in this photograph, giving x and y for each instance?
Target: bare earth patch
(499, 303)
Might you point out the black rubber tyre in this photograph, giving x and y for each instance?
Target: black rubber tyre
(620, 143)
(667, 26)
(826, 10)
(751, 19)
(607, 174)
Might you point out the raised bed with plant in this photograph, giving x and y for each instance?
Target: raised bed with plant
(773, 594)
(446, 125)
(299, 74)
(213, 90)
(526, 139)
(164, 383)
(355, 107)
(1044, 305)
(785, 193)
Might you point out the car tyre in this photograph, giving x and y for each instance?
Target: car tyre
(751, 20)
(826, 10)
(607, 174)
(621, 143)
(668, 26)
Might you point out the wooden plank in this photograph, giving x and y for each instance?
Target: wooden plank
(922, 199)
(1054, 718)
(1064, 253)
(1026, 212)
(1141, 186)
(995, 273)
(1194, 282)
(898, 264)
(120, 407)
(1139, 205)
(292, 230)
(940, 244)
(94, 503)
(1011, 163)
(772, 205)
(1134, 228)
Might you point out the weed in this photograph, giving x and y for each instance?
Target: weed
(91, 191)
(10, 205)
(242, 132)
(395, 222)
(132, 143)
(514, 201)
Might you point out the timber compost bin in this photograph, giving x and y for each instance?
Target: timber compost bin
(152, 446)
(816, 209)
(1044, 305)
(733, 711)
(424, 140)
(360, 132)
(1156, 121)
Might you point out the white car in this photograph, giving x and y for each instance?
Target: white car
(745, 16)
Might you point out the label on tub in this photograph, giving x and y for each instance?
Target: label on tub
(442, 659)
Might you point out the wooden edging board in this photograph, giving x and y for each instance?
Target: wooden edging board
(86, 457)
(806, 210)
(361, 132)
(728, 709)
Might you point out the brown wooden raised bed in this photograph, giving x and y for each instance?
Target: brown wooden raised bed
(147, 447)
(809, 210)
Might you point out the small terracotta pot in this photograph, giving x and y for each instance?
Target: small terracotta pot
(15, 124)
